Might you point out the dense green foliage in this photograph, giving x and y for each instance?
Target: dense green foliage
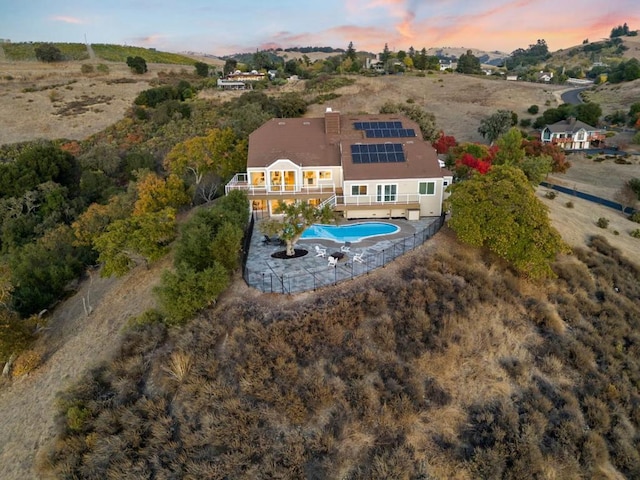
(206, 253)
(500, 211)
(493, 126)
(625, 71)
(534, 55)
(468, 63)
(588, 112)
(48, 52)
(449, 368)
(137, 64)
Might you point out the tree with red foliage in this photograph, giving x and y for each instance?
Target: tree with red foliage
(535, 148)
(444, 143)
(463, 159)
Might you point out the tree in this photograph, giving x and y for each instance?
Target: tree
(535, 148)
(184, 292)
(588, 113)
(468, 63)
(220, 153)
(385, 55)
(444, 143)
(495, 125)
(48, 52)
(202, 69)
(501, 212)
(230, 66)
(297, 217)
(351, 53)
(626, 196)
(137, 64)
(155, 193)
(510, 151)
(137, 238)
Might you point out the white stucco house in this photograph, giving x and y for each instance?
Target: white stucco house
(364, 166)
(572, 134)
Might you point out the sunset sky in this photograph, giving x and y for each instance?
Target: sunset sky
(225, 27)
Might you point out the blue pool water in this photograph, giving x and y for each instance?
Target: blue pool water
(349, 233)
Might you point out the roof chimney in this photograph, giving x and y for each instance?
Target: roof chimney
(331, 122)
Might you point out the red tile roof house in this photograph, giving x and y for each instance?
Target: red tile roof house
(572, 134)
(365, 166)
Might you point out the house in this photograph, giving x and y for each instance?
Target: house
(252, 76)
(512, 78)
(545, 77)
(365, 166)
(448, 64)
(225, 84)
(572, 134)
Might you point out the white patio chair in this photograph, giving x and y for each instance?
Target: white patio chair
(321, 252)
(333, 262)
(358, 257)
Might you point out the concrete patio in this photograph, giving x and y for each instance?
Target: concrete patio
(310, 272)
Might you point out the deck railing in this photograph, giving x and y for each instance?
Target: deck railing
(240, 181)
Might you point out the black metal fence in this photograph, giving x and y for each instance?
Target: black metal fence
(589, 197)
(269, 282)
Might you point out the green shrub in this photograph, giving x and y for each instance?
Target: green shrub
(525, 122)
(635, 233)
(183, 293)
(550, 195)
(102, 68)
(569, 204)
(635, 217)
(602, 222)
(533, 109)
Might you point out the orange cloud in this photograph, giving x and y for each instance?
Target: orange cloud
(65, 19)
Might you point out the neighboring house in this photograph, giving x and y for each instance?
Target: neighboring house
(448, 64)
(225, 84)
(572, 134)
(365, 166)
(512, 78)
(545, 77)
(252, 76)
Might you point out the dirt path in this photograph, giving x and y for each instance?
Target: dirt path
(76, 342)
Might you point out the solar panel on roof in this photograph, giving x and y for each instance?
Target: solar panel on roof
(377, 153)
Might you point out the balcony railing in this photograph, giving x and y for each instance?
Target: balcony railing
(366, 200)
(241, 182)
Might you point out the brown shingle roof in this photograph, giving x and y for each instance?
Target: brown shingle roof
(304, 141)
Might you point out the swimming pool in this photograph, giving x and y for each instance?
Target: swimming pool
(353, 233)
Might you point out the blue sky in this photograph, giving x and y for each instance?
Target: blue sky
(232, 26)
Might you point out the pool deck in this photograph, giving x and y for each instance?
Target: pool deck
(311, 271)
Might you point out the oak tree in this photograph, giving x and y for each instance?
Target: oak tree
(500, 211)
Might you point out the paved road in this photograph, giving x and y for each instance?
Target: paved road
(572, 97)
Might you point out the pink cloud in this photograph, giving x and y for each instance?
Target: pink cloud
(65, 19)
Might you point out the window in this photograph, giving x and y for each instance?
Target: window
(257, 179)
(358, 190)
(387, 193)
(427, 188)
(324, 174)
(309, 178)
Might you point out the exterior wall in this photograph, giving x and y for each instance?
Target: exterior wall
(407, 191)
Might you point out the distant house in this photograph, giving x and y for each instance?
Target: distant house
(364, 166)
(448, 64)
(572, 134)
(512, 78)
(225, 84)
(252, 76)
(545, 77)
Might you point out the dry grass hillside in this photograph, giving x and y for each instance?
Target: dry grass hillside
(58, 101)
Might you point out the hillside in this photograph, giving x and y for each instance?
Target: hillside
(442, 365)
